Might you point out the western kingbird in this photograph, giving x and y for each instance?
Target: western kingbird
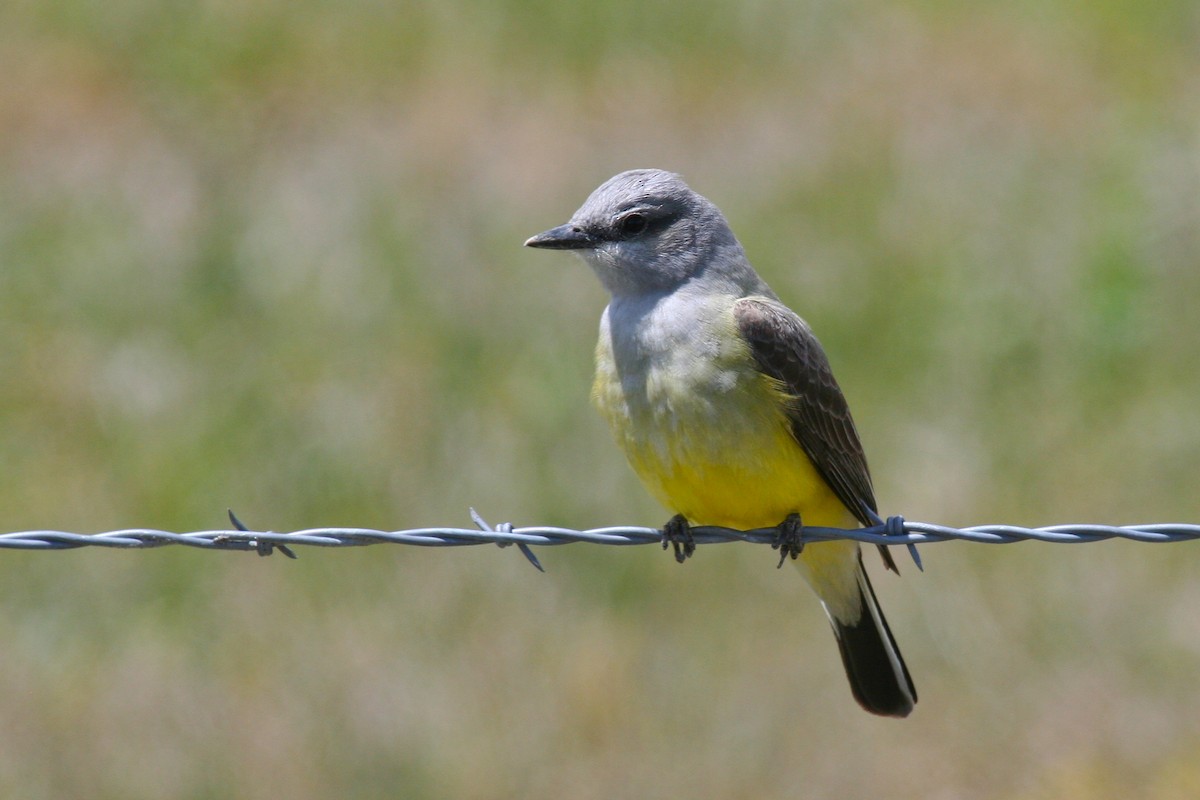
(725, 404)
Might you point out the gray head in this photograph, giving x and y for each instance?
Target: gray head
(645, 231)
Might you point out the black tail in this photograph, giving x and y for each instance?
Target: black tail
(878, 677)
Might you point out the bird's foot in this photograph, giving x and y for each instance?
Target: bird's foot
(678, 533)
(789, 538)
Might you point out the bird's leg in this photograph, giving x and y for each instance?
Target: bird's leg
(789, 538)
(678, 533)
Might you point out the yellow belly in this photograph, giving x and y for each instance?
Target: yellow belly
(750, 482)
(712, 442)
(709, 436)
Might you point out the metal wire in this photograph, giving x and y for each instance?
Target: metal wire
(894, 531)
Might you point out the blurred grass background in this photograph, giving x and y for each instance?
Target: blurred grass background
(267, 255)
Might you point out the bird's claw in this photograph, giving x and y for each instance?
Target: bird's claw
(789, 538)
(678, 534)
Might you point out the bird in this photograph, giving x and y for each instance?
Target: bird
(725, 405)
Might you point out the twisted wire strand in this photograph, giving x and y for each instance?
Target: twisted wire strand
(894, 531)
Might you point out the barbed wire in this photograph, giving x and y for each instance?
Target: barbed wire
(893, 531)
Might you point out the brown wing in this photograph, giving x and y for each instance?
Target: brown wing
(785, 348)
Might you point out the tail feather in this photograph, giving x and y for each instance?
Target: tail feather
(878, 676)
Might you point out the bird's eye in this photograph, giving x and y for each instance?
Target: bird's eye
(633, 224)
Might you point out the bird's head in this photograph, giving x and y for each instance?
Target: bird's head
(643, 231)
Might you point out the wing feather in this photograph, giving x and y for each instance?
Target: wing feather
(784, 348)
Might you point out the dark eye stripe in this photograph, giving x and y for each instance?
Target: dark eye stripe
(640, 222)
(633, 224)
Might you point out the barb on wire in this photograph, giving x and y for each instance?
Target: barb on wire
(893, 531)
(506, 527)
(264, 548)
